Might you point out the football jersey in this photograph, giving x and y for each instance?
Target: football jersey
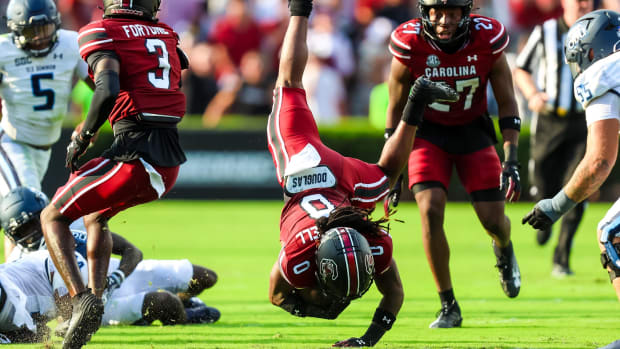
(317, 179)
(467, 70)
(600, 78)
(150, 68)
(35, 90)
(37, 278)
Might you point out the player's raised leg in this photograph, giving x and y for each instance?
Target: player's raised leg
(294, 53)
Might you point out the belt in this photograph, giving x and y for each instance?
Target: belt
(2, 297)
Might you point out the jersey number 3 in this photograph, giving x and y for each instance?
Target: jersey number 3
(160, 77)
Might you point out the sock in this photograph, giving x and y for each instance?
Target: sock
(446, 297)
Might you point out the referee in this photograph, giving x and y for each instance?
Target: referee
(558, 138)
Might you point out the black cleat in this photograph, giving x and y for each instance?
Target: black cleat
(542, 236)
(509, 274)
(199, 313)
(85, 320)
(448, 316)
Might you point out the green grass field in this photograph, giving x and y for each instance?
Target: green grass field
(239, 240)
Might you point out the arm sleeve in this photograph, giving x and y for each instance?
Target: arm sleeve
(107, 87)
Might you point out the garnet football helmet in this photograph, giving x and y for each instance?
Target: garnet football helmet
(34, 24)
(145, 9)
(463, 26)
(345, 264)
(594, 36)
(19, 215)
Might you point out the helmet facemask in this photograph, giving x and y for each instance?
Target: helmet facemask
(462, 25)
(26, 233)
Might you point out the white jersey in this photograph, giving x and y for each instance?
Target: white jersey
(598, 89)
(36, 277)
(35, 90)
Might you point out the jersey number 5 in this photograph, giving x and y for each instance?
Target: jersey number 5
(160, 77)
(37, 91)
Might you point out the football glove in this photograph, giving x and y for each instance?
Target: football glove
(510, 180)
(75, 149)
(113, 282)
(393, 197)
(542, 216)
(353, 342)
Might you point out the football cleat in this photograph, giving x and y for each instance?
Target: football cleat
(542, 236)
(509, 274)
(448, 316)
(85, 320)
(199, 313)
(560, 271)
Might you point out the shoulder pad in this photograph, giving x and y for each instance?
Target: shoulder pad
(491, 31)
(402, 38)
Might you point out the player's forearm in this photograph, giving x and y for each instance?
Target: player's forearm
(588, 177)
(107, 88)
(394, 154)
(525, 83)
(130, 254)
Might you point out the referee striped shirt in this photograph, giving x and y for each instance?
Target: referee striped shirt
(543, 57)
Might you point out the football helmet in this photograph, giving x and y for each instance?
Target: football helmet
(345, 264)
(424, 7)
(594, 36)
(34, 24)
(19, 216)
(145, 9)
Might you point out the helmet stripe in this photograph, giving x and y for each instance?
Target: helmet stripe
(351, 262)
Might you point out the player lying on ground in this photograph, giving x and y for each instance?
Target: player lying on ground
(328, 198)
(133, 285)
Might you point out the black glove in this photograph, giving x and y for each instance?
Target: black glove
(75, 149)
(537, 219)
(510, 181)
(353, 342)
(393, 197)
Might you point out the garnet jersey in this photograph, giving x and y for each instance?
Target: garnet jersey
(150, 68)
(317, 179)
(467, 70)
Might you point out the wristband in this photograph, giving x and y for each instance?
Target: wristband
(389, 131)
(510, 122)
(561, 203)
(384, 318)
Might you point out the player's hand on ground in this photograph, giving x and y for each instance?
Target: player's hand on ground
(352, 342)
(75, 149)
(510, 181)
(541, 217)
(393, 197)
